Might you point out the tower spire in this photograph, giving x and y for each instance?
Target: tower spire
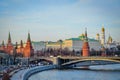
(86, 38)
(3, 43)
(16, 45)
(28, 50)
(85, 48)
(21, 44)
(9, 38)
(29, 37)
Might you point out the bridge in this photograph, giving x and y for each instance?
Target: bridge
(70, 60)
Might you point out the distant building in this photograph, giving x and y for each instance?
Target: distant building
(75, 44)
(27, 49)
(54, 45)
(38, 46)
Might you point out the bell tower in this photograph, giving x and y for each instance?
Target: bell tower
(85, 48)
(103, 36)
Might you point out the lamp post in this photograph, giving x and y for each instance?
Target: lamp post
(60, 41)
(28, 62)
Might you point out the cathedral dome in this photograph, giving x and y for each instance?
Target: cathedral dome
(97, 34)
(110, 39)
(103, 29)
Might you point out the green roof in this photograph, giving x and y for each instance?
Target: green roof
(90, 39)
(77, 39)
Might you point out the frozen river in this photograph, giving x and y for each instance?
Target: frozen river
(80, 74)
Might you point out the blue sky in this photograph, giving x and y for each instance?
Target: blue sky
(58, 19)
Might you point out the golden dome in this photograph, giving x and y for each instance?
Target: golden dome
(82, 35)
(103, 29)
(97, 34)
(110, 39)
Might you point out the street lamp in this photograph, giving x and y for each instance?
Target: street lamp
(60, 41)
(28, 62)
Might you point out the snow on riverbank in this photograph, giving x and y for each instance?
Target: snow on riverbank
(24, 74)
(18, 75)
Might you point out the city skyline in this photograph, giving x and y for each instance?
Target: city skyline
(58, 19)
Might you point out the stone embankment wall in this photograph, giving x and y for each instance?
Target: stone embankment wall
(32, 71)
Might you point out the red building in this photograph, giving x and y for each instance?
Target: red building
(85, 48)
(26, 51)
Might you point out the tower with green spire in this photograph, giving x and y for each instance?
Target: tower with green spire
(3, 46)
(3, 43)
(28, 50)
(9, 49)
(9, 38)
(21, 44)
(85, 48)
(29, 37)
(86, 38)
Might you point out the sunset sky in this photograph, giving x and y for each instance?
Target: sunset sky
(51, 20)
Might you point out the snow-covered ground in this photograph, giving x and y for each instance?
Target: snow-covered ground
(105, 67)
(18, 75)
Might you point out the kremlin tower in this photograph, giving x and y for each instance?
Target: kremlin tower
(103, 36)
(28, 50)
(9, 48)
(85, 48)
(21, 46)
(2, 48)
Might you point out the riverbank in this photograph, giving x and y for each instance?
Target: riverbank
(26, 73)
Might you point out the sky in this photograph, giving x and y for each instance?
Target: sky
(51, 20)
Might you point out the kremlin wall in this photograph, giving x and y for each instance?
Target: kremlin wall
(26, 50)
(80, 43)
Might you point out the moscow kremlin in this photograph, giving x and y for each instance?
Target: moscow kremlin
(73, 53)
(86, 45)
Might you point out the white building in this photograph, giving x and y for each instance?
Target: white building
(38, 46)
(76, 44)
